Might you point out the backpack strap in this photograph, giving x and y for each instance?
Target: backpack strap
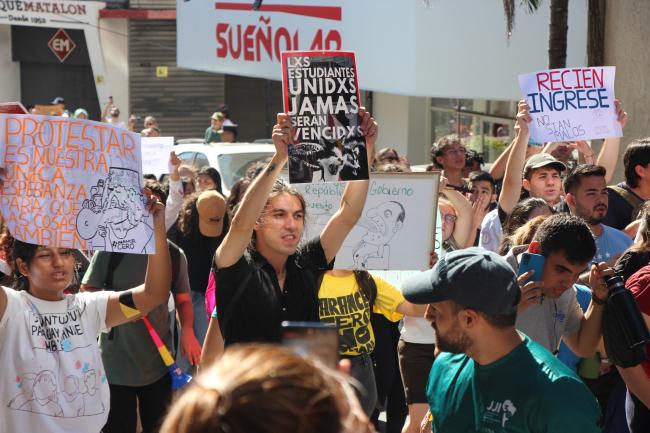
(630, 198)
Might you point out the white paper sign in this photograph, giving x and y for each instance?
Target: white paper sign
(73, 183)
(571, 104)
(396, 228)
(155, 154)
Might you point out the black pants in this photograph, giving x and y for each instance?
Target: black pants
(153, 401)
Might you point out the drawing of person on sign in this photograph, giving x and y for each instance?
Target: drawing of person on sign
(114, 217)
(381, 224)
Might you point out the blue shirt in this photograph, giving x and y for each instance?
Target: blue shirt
(611, 244)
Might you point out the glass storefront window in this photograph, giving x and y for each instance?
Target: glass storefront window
(486, 126)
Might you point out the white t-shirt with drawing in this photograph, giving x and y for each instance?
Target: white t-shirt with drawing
(52, 377)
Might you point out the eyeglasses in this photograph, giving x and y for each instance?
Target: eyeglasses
(449, 218)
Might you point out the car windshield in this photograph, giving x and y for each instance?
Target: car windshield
(233, 166)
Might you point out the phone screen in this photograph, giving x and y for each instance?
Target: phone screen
(312, 340)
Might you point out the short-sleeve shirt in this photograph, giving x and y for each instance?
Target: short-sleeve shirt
(52, 377)
(548, 322)
(528, 390)
(250, 304)
(212, 136)
(130, 355)
(341, 303)
(611, 244)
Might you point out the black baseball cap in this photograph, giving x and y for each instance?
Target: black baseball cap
(472, 277)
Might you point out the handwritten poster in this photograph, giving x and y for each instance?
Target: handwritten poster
(571, 104)
(396, 228)
(321, 94)
(155, 154)
(73, 183)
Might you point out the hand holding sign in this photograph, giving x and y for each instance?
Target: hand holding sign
(571, 104)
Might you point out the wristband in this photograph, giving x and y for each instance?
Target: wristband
(597, 300)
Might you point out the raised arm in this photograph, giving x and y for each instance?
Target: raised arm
(175, 196)
(511, 189)
(608, 155)
(498, 168)
(131, 304)
(463, 225)
(584, 341)
(354, 196)
(108, 106)
(241, 227)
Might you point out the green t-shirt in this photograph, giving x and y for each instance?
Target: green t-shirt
(528, 390)
(129, 354)
(212, 136)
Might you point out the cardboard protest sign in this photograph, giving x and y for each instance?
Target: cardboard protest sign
(12, 108)
(571, 104)
(73, 183)
(321, 94)
(396, 228)
(155, 154)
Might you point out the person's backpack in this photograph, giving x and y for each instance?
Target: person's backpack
(630, 198)
(116, 259)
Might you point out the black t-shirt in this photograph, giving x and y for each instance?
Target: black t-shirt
(630, 262)
(619, 211)
(250, 304)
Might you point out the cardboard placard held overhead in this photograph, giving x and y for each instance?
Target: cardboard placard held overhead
(396, 228)
(571, 104)
(321, 94)
(73, 183)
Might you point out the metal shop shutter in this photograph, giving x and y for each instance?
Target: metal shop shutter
(183, 101)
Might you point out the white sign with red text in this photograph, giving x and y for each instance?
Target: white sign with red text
(571, 104)
(402, 47)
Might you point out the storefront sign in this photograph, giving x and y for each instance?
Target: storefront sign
(74, 14)
(436, 50)
(61, 45)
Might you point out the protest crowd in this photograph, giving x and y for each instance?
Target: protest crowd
(514, 328)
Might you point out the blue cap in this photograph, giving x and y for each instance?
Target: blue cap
(472, 277)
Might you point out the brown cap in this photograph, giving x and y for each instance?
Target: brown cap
(211, 207)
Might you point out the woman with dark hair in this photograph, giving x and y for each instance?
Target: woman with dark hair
(201, 226)
(346, 299)
(49, 338)
(207, 179)
(522, 212)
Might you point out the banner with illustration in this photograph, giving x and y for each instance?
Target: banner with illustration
(321, 94)
(73, 183)
(571, 104)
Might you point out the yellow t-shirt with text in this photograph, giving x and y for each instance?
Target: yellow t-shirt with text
(342, 303)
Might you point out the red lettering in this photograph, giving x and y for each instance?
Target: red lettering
(263, 39)
(542, 82)
(248, 44)
(333, 40)
(317, 43)
(598, 79)
(282, 33)
(235, 53)
(587, 79)
(222, 49)
(555, 80)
